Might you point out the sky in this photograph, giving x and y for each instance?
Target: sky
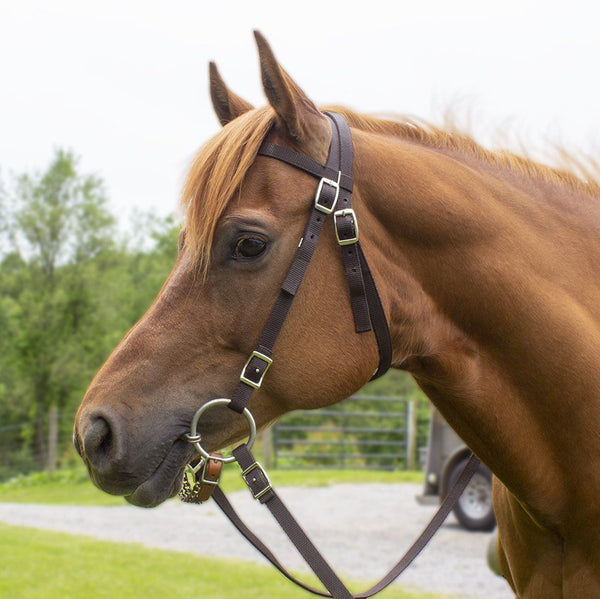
(124, 83)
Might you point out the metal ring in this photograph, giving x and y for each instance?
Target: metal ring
(193, 434)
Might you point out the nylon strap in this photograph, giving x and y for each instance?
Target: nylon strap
(364, 297)
(306, 164)
(378, 318)
(260, 485)
(346, 227)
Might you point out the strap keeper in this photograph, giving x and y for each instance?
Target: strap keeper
(346, 229)
(323, 200)
(255, 369)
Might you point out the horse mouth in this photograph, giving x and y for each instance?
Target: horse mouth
(166, 480)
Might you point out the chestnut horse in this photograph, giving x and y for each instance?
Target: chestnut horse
(487, 265)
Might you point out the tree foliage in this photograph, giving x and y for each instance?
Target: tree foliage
(69, 290)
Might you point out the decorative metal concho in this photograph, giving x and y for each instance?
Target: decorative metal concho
(190, 489)
(200, 480)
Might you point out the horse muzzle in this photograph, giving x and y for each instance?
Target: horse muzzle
(145, 475)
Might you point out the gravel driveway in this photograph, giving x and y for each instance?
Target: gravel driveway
(361, 529)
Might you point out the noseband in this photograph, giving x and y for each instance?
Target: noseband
(333, 196)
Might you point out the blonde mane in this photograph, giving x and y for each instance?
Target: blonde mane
(216, 176)
(217, 173)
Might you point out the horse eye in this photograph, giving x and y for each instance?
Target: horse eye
(181, 240)
(249, 247)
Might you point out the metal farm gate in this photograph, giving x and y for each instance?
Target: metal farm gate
(361, 432)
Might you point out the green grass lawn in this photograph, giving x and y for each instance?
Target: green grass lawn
(40, 564)
(73, 486)
(36, 564)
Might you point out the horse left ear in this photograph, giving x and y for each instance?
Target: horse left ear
(227, 105)
(296, 113)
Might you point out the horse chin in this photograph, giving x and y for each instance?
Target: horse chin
(165, 482)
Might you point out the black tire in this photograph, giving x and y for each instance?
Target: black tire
(474, 509)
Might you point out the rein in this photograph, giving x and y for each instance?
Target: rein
(333, 196)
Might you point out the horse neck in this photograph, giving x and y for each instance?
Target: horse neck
(493, 296)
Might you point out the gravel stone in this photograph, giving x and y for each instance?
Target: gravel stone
(361, 529)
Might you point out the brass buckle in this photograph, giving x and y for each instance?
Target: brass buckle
(257, 494)
(255, 384)
(342, 214)
(331, 183)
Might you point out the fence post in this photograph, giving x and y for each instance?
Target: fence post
(266, 437)
(411, 435)
(343, 426)
(52, 438)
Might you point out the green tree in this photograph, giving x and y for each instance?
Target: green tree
(60, 225)
(3, 218)
(151, 253)
(70, 288)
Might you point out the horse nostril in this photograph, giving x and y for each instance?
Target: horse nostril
(97, 440)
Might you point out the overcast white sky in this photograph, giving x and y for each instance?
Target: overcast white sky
(123, 83)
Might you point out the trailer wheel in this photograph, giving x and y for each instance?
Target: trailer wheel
(474, 509)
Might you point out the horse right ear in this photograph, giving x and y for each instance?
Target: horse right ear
(296, 113)
(227, 105)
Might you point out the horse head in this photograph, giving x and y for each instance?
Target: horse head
(487, 267)
(244, 218)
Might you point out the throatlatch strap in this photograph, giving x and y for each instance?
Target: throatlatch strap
(364, 297)
(346, 230)
(378, 319)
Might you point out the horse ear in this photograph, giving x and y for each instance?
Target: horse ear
(299, 117)
(227, 105)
